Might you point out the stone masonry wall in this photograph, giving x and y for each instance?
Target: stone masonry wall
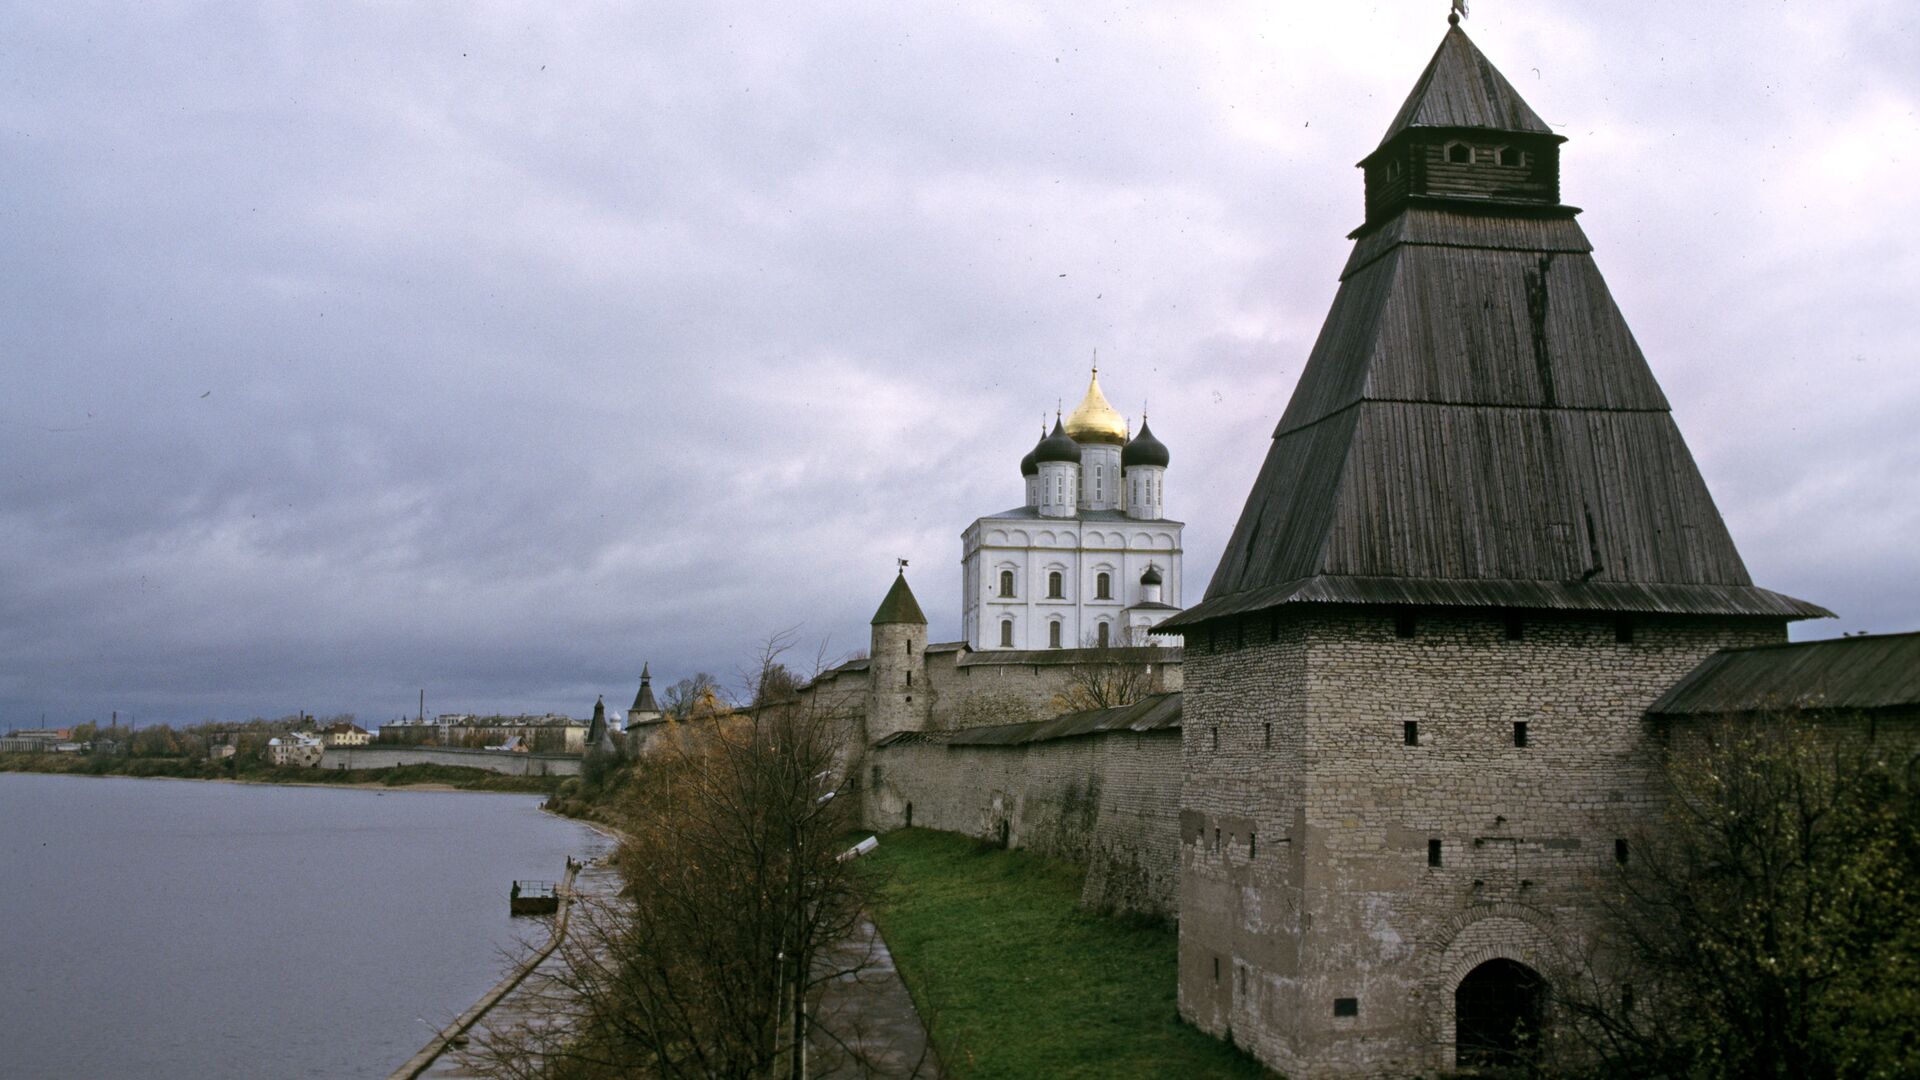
(1108, 801)
(1308, 817)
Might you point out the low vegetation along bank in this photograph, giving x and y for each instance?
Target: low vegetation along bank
(186, 768)
(1015, 980)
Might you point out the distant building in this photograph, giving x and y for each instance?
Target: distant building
(34, 740)
(295, 748)
(1090, 559)
(217, 753)
(345, 733)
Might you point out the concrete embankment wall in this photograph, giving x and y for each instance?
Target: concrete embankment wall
(1109, 801)
(386, 757)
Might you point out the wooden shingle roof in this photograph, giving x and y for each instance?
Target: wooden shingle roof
(899, 606)
(1461, 88)
(1476, 426)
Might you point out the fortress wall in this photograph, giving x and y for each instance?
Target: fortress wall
(1108, 801)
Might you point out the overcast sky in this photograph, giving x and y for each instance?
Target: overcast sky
(492, 349)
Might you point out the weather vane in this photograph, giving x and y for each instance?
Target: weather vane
(902, 562)
(1459, 12)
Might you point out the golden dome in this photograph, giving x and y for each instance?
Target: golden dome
(1095, 421)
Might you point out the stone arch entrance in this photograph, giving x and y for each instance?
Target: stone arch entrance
(1498, 1011)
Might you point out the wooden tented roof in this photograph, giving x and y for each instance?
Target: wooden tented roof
(1476, 426)
(1462, 89)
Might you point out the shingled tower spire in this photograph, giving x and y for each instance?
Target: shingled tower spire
(1476, 425)
(1478, 550)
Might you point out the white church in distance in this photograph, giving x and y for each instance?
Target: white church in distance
(1090, 559)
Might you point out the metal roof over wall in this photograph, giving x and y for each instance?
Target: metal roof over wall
(1156, 712)
(1868, 672)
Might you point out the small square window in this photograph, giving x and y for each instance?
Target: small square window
(1346, 1006)
(1519, 733)
(1433, 853)
(1410, 732)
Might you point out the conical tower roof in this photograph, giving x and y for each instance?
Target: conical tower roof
(899, 606)
(1476, 426)
(597, 729)
(1462, 89)
(643, 702)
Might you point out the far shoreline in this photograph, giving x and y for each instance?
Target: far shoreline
(392, 778)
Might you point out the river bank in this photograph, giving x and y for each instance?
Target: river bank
(426, 777)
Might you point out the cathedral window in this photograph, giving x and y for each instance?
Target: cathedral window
(1054, 585)
(1100, 635)
(1006, 633)
(1053, 635)
(1103, 586)
(1006, 583)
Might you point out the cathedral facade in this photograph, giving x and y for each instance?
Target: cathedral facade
(1090, 558)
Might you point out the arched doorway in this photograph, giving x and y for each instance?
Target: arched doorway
(1498, 1009)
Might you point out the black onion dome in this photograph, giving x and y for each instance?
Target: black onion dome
(1056, 447)
(1151, 577)
(1144, 449)
(1030, 465)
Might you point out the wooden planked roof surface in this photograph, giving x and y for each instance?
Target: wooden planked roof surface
(1476, 425)
(1461, 88)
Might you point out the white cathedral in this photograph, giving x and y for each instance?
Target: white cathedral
(1090, 560)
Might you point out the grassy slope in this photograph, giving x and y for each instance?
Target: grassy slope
(1016, 981)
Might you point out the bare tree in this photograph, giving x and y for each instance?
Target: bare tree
(735, 895)
(1115, 675)
(698, 691)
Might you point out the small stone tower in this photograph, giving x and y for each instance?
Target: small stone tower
(645, 708)
(1478, 551)
(898, 697)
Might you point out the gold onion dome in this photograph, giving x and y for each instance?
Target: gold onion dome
(1095, 421)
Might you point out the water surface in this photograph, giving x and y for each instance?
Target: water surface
(176, 929)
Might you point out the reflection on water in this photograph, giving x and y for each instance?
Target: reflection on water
(158, 928)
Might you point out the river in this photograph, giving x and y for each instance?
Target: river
(173, 929)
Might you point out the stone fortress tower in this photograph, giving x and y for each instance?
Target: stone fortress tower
(1476, 554)
(897, 661)
(1090, 558)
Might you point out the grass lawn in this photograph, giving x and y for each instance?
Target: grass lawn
(1016, 981)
